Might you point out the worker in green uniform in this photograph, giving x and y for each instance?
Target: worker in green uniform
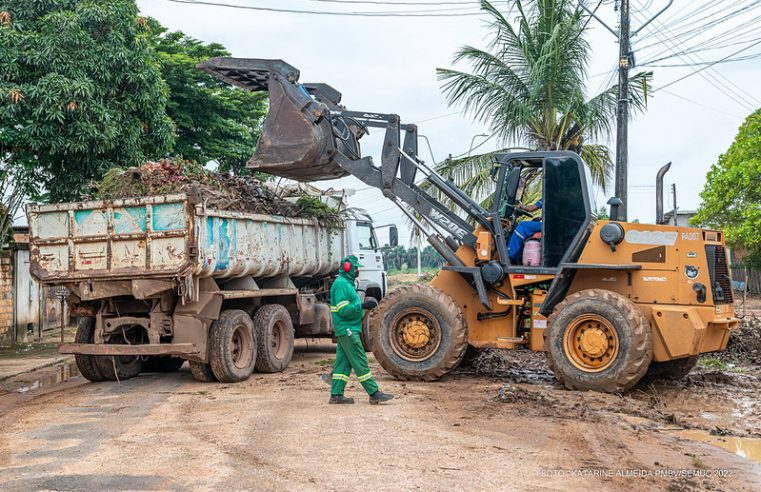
(347, 312)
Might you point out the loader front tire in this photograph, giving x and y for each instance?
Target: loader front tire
(598, 340)
(232, 346)
(87, 364)
(274, 335)
(418, 333)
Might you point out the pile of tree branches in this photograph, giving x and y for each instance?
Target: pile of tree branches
(221, 191)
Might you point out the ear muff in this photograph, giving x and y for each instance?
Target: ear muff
(346, 266)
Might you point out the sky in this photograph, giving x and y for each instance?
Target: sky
(388, 64)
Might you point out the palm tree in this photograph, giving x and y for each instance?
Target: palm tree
(528, 85)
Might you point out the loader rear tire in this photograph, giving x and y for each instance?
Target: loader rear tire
(274, 337)
(202, 372)
(418, 333)
(672, 369)
(598, 340)
(87, 364)
(232, 346)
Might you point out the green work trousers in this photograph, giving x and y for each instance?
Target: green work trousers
(351, 355)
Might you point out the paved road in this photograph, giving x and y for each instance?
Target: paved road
(275, 432)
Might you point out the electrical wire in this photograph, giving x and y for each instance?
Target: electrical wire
(378, 2)
(712, 79)
(706, 67)
(400, 13)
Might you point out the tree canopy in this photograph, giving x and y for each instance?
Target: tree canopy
(80, 92)
(732, 193)
(214, 121)
(528, 85)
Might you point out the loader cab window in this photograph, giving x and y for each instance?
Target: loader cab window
(366, 236)
(566, 206)
(509, 189)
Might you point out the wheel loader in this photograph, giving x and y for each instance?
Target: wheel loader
(609, 301)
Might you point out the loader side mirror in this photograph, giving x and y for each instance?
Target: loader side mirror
(393, 236)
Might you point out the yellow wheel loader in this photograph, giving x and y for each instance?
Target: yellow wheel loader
(608, 301)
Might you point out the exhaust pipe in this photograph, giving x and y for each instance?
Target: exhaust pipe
(659, 193)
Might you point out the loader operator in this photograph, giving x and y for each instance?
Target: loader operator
(347, 312)
(523, 231)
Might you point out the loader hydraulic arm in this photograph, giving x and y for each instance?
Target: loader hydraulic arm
(308, 135)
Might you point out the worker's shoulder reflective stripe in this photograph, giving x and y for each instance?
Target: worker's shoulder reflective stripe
(364, 377)
(341, 377)
(339, 306)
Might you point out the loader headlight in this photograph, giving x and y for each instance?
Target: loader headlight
(612, 234)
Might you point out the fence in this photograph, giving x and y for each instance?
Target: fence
(750, 276)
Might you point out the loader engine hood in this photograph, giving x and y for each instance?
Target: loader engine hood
(304, 130)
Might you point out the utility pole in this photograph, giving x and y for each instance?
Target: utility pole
(625, 62)
(622, 115)
(673, 192)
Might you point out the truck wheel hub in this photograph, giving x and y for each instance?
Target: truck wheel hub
(591, 343)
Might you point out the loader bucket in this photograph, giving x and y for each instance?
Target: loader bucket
(300, 136)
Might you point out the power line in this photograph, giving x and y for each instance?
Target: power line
(710, 78)
(400, 13)
(698, 103)
(712, 62)
(377, 2)
(707, 66)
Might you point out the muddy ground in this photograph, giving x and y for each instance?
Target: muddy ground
(500, 424)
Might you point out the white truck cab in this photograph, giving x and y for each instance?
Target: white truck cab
(363, 243)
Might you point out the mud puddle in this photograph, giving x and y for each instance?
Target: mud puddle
(745, 447)
(718, 404)
(41, 378)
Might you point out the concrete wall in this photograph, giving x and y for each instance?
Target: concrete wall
(26, 309)
(6, 299)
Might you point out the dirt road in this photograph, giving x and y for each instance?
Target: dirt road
(512, 430)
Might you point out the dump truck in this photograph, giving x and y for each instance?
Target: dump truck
(609, 300)
(158, 280)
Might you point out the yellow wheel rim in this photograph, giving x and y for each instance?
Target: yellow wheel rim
(591, 343)
(415, 334)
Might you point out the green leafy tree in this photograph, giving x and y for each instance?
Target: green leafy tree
(80, 92)
(732, 195)
(528, 85)
(214, 121)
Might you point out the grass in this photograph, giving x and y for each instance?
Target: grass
(716, 364)
(696, 461)
(713, 363)
(326, 362)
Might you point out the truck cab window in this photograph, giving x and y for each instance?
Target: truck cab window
(366, 237)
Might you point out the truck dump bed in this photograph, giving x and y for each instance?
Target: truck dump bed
(170, 236)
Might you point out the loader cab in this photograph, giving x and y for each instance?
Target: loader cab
(562, 182)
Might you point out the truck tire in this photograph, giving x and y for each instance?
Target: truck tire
(202, 372)
(598, 340)
(119, 367)
(162, 363)
(364, 335)
(274, 337)
(232, 346)
(87, 364)
(418, 333)
(672, 369)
